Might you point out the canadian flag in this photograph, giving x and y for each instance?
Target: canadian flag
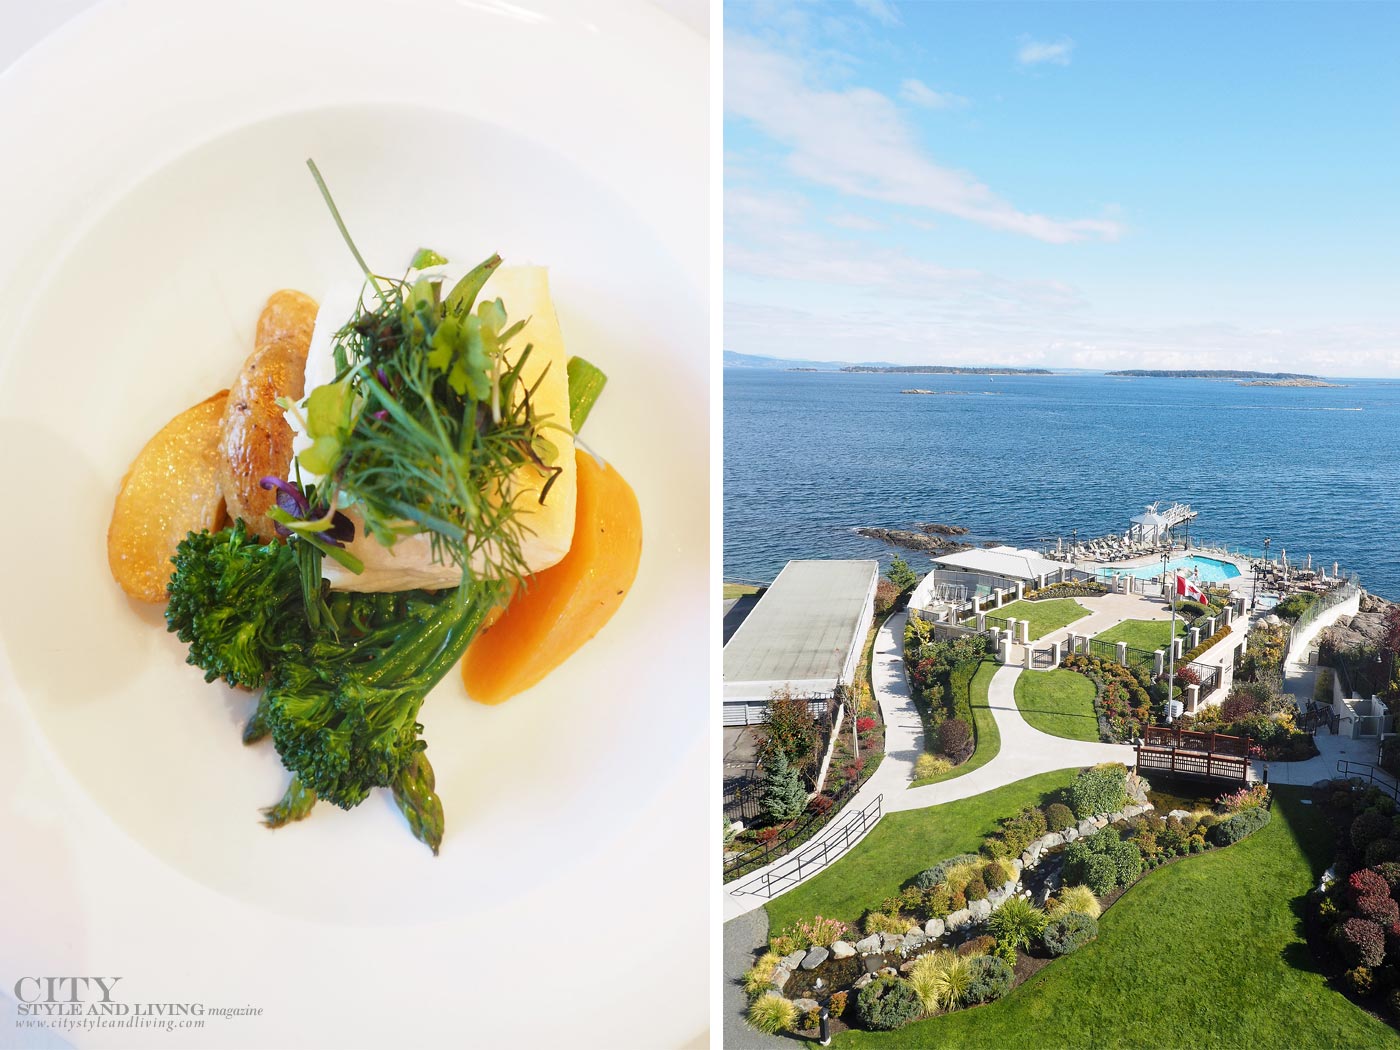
(1186, 589)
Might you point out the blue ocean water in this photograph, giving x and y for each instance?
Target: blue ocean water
(809, 456)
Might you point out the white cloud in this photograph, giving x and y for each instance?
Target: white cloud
(1035, 52)
(855, 141)
(850, 221)
(880, 10)
(919, 93)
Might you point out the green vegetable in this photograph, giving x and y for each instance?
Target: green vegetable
(341, 699)
(586, 382)
(296, 804)
(236, 603)
(413, 791)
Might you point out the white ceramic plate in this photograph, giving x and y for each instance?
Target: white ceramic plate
(160, 194)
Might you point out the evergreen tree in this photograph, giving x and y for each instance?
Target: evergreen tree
(783, 794)
(903, 577)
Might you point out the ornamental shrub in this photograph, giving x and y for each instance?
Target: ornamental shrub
(1378, 909)
(1069, 932)
(1380, 851)
(980, 945)
(1360, 981)
(823, 932)
(1390, 871)
(930, 765)
(931, 877)
(1361, 941)
(1017, 832)
(938, 902)
(1058, 816)
(1366, 883)
(955, 738)
(887, 1003)
(991, 979)
(1102, 789)
(1369, 826)
(1075, 899)
(1127, 861)
(976, 889)
(836, 1005)
(821, 804)
(1392, 1000)
(1100, 874)
(998, 873)
(941, 980)
(1242, 824)
(759, 977)
(886, 594)
(772, 1014)
(885, 922)
(1018, 922)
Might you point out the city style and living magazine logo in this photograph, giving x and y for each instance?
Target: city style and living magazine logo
(88, 1003)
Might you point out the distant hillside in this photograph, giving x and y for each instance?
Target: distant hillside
(734, 359)
(948, 370)
(1207, 373)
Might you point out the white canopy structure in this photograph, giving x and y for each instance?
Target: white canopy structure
(1154, 526)
(1010, 563)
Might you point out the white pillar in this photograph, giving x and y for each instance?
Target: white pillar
(1025, 632)
(1194, 636)
(1026, 658)
(1210, 627)
(981, 621)
(1062, 571)
(1123, 653)
(1056, 654)
(1159, 663)
(1020, 590)
(1193, 693)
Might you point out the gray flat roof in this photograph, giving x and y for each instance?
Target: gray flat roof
(804, 627)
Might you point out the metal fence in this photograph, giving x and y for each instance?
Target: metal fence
(815, 857)
(1103, 650)
(743, 798)
(792, 836)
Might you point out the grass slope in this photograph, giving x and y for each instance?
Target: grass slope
(1149, 635)
(1206, 954)
(1058, 702)
(1044, 616)
(903, 844)
(738, 590)
(984, 725)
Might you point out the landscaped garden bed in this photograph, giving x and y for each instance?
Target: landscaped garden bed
(1353, 917)
(941, 675)
(1067, 589)
(949, 940)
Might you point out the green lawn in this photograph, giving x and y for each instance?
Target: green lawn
(1044, 617)
(1149, 635)
(903, 844)
(1205, 954)
(984, 725)
(1058, 702)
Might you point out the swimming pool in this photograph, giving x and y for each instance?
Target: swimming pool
(1212, 570)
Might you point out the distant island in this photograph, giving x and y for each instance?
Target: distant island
(1206, 373)
(946, 370)
(1291, 382)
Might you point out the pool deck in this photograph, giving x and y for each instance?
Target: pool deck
(1241, 584)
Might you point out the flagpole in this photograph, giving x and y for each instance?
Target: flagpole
(1171, 654)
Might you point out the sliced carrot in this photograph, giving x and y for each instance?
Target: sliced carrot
(564, 606)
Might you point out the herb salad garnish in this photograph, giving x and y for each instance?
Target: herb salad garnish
(426, 428)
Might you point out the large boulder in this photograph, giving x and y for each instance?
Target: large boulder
(933, 929)
(866, 945)
(873, 963)
(815, 957)
(781, 974)
(794, 959)
(1070, 834)
(891, 942)
(1086, 828)
(806, 1006)
(996, 898)
(958, 919)
(841, 950)
(862, 981)
(979, 909)
(914, 939)
(1050, 840)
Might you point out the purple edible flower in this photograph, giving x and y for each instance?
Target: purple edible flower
(290, 499)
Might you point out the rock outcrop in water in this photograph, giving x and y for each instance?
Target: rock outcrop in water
(914, 541)
(933, 528)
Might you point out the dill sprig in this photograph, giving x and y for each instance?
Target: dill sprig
(429, 418)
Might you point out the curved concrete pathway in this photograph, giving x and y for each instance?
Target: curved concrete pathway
(1024, 752)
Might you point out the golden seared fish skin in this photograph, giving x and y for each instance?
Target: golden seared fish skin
(256, 440)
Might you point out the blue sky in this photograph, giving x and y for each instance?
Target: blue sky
(1076, 185)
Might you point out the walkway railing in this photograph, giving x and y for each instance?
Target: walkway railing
(1372, 775)
(1330, 600)
(1192, 740)
(785, 875)
(763, 853)
(1183, 763)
